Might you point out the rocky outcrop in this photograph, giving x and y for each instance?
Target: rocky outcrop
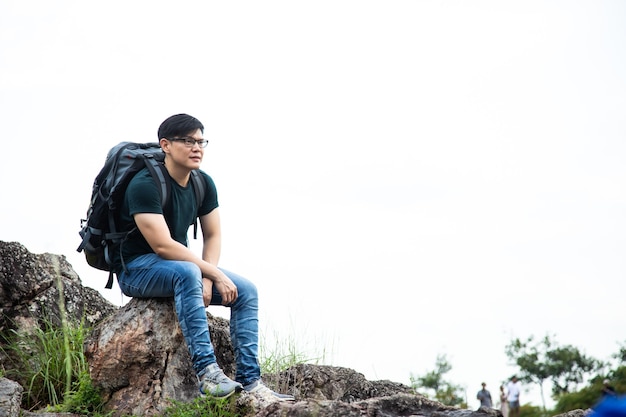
(140, 370)
(138, 358)
(125, 347)
(318, 382)
(410, 405)
(36, 292)
(576, 413)
(30, 289)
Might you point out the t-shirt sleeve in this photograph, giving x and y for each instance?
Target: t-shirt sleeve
(143, 196)
(210, 196)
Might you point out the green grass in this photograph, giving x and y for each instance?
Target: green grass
(283, 355)
(204, 407)
(278, 353)
(49, 363)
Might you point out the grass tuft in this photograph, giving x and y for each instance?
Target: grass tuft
(204, 407)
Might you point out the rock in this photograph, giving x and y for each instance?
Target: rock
(576, 413)
(29, 291)
(10, 398)
(140, 361)
(332, 383)
(30, 298)
(410, 405)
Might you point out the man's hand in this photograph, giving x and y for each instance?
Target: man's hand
(207, 291)
(226, 288)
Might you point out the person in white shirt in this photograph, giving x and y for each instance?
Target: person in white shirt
(513, 389)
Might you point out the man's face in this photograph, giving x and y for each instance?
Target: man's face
(183, 153)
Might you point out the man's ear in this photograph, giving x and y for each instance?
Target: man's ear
(165, 145)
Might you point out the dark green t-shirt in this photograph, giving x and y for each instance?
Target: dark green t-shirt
(142, 196)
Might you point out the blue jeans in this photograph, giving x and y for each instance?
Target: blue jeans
(150, 276)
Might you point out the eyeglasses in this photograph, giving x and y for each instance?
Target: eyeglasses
(189, 142)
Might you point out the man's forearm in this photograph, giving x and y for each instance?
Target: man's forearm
(211, 250)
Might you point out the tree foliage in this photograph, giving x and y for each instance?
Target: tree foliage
(568, 367)
(621, 354)
(445, 392)
(589, 395)
(544, 360)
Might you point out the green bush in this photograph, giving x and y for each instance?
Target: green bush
(83, 399)
(527, 410)
(583, 399)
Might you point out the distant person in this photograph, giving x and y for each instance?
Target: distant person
(513, 389)
(504, 405)
(155, 261)
(484, 397)
(607, 389)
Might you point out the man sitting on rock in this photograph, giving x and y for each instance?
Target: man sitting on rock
(156, 262)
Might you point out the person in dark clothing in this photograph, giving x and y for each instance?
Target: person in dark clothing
(484, 397)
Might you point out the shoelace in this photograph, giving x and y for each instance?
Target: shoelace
(218, 376)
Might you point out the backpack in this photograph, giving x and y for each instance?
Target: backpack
(99, 230)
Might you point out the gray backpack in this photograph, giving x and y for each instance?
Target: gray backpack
(99, 231)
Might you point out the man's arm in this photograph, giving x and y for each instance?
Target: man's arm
(211, 248)
(212, 237)
(154, 229)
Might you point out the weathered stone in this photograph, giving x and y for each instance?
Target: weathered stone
(30, 288)
(402, 404)
(576, 413)
(34, 290)
(140, 361)
(10, 398)
(332, 383)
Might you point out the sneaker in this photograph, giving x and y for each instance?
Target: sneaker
(216, 384)
(261, 390)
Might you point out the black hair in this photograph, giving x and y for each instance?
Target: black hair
(179, 125)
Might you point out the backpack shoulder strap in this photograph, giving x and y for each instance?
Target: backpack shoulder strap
(158, 172)
(199, 186)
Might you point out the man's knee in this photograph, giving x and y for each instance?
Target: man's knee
(189, 269)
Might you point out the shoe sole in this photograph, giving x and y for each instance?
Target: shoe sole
(237, 390)
(273, 398)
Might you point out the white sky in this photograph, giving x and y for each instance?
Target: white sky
(400, 178)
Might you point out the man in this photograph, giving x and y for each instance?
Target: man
(607, 389)
(156, 262)
(513, 389)
(484, 397)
